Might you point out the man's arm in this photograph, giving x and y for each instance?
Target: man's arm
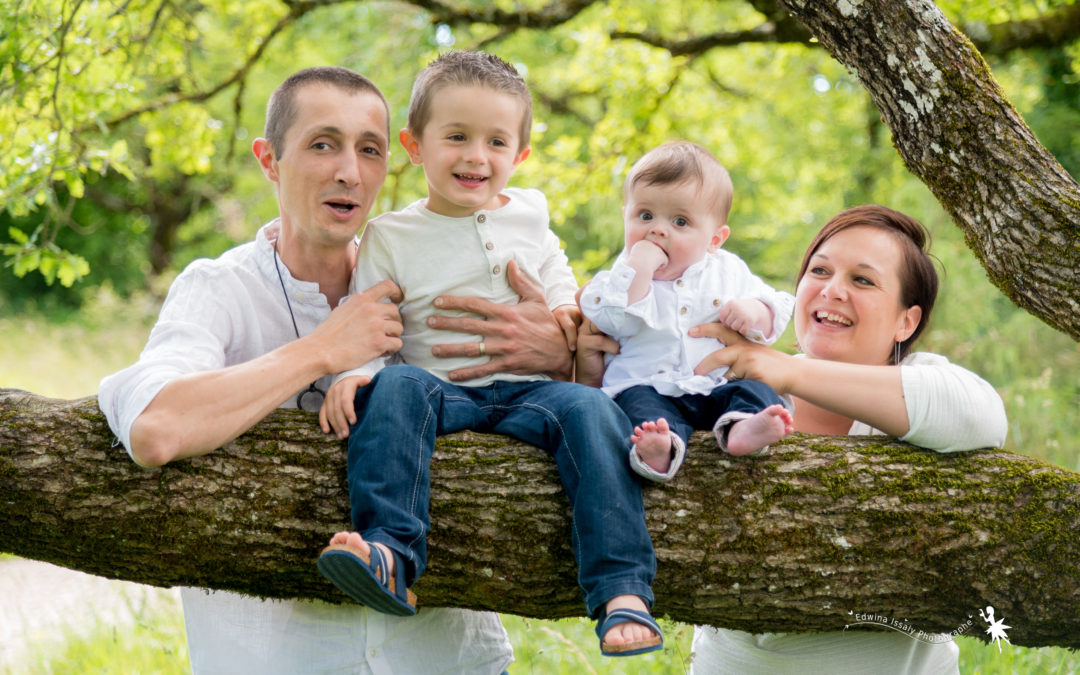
(197, 413)
(524, 338)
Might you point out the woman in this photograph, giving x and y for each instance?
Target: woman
(865, 291)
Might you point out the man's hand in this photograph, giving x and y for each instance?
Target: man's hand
(569, 318)
(362, 328)
(524, 339)
(338, 412)
(589, 357)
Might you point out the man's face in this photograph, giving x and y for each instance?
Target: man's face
(332, 166)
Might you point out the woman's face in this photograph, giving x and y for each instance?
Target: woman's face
(847, 305)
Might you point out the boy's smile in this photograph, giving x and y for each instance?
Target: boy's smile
(469, 148)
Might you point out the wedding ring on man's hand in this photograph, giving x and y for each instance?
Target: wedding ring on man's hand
(483, 348)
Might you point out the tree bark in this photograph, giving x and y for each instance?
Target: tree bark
(801, 539)
(956, 131)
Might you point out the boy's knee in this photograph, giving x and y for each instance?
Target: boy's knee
(401, 380)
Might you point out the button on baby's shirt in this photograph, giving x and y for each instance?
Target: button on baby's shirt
(489, 245)
(496, 269)
(481, 218)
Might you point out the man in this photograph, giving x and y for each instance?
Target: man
(253, 330)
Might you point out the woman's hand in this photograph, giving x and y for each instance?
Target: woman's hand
(745, 359)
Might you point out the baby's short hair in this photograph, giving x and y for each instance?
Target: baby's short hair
(467, 69)
(678, 161)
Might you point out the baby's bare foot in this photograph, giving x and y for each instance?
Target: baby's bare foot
(652, 443)
(755, 432)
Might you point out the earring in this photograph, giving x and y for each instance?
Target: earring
(896, 353)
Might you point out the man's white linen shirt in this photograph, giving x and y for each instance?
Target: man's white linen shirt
(428, 255)
(655, 347)
(227, 311)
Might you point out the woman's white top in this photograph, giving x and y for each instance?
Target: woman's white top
(949, 409)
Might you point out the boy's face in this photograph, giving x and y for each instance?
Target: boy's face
(678, 218)
(469, 148)
(332, 166)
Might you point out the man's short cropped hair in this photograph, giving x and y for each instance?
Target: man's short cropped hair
(467, 69)
(281, 108)
(679, 161)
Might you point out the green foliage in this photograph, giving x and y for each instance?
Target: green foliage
(169, 97)
(108, 116)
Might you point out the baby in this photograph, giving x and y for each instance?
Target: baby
(671, 276)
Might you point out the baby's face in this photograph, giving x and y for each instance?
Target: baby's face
(678, 218)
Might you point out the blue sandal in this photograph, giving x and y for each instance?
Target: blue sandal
(617, 616)
(364, 578)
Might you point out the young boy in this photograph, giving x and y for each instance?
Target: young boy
(469, 121)
(671, 276)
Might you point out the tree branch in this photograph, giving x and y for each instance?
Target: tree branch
(1052, 29)
(551, 15)
(296, 11)
(790, 541)
(956, 131)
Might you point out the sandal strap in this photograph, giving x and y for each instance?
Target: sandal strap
(618, 616)
(378, 561)
(378, 564)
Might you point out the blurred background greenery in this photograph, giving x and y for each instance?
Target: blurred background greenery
(125, 134)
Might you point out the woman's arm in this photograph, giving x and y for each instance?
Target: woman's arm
(871, 394)
(950, 407)
(930, 403)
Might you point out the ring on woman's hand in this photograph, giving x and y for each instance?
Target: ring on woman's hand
(483, 348)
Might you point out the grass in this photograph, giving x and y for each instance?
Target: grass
(1036, 369)
(156, 645)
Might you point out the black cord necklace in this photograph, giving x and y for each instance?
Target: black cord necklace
(311, 399)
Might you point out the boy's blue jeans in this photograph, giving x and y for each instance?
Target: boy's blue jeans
(686, 413)
(403, 409)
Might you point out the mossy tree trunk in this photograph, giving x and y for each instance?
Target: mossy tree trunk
(956, 131)
(790, 541)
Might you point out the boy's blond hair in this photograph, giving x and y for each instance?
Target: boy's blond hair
(679, 161)
(467, 69)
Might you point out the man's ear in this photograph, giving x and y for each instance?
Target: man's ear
(719, 237)
(264, 152)
(411, 145)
